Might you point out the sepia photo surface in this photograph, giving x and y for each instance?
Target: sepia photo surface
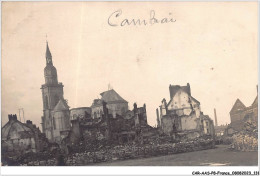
(129, 84)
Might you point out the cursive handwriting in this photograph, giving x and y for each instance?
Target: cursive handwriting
(115, 20)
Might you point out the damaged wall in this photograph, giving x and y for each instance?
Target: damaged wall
(183, 114)
(183, 104)
(81, 113)
(189, 122)
(20, 137)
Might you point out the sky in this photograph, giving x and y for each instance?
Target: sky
(211, 45)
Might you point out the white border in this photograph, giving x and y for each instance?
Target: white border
(130, 170)
(114, 171)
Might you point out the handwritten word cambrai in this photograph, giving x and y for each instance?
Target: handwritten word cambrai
(115, 19)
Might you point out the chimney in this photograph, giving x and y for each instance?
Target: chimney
(170, 87)
(158, 118)
(136, 117)
(12, 117)
(105, 110)
(29, 122)
(157, 113)
(135, 108)
(160, 112)
(165, 105)
(188, 85)
(216, 120)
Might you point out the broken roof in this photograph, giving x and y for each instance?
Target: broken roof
(112, 96)
(238, 106)
(15, 125)
(175, 88)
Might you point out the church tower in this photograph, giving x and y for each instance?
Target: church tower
(52, 93)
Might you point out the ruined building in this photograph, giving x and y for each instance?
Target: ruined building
(19, 138)
(59, 122)
(80, 113)
(56, 114)
(182, 114)
(108, 117)
(124, 128)
(239, 114)
(115, 104)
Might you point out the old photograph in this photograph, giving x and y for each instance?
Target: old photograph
(129, 84)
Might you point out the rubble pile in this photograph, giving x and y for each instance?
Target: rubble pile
(31, 158)
(246, 140)
(124, 152)
(112, 153)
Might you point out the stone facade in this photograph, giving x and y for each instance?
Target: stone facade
(181, 102)
(61, 120)
(183, 114)
(55, 117)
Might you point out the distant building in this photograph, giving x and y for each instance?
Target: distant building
(182, 113)
(220, 130)
(56, 114)
(115, 103)
(240, 113)
(20, 138)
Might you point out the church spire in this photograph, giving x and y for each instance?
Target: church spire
(50, 72)
(48, 55)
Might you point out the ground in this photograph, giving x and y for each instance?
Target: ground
(220, 156)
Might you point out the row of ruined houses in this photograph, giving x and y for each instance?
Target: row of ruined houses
(18, 137)
(110, 119)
